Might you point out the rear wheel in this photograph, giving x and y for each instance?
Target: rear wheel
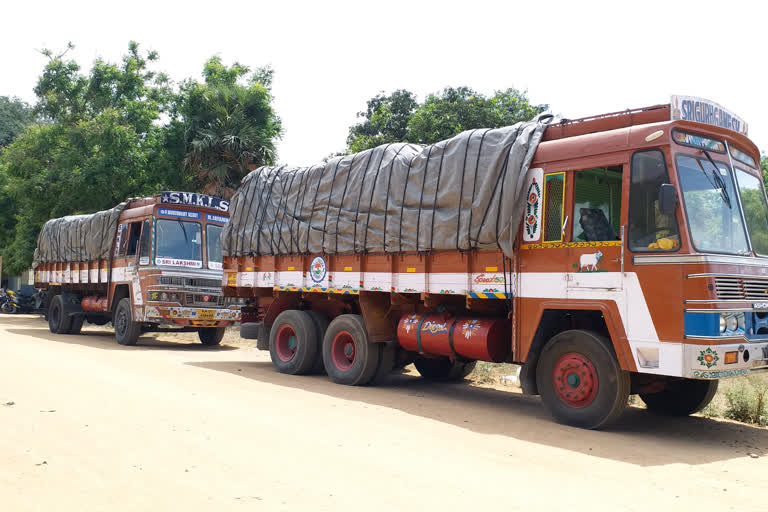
(443, 369)
(293, 342)
(126, 330)
(580, 380)
(349, 357)
(210, 336)
(681, 397)
(58, 321)
(77, 324)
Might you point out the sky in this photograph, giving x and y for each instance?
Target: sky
(580, 57)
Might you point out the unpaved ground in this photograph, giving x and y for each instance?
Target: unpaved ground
(91, 425)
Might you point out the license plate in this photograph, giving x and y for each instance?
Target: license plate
(207, 314)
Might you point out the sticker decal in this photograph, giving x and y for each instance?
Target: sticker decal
(318, 269)
(589, 262)
(470, 328)
(708, 358)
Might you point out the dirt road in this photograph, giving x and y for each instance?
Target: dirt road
(86, 424)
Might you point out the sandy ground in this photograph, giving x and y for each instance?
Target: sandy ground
(88, 425)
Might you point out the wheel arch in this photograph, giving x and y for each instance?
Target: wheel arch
(555, 317)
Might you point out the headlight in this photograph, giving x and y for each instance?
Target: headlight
(722, 323)
(731, 323)
(164, 297)
(741, 322)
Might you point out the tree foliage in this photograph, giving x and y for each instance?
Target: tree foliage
(398, 117)
(230, 125)
(14, 116)
(120, 131)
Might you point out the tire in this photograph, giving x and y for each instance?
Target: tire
(681, 397)
(127, 331)
(293, 342)
(580, 380)
(386, 362)
(321, 322)
(210, 336)
(58, 321)
(349, 357)
(442, 369)
(76, 325)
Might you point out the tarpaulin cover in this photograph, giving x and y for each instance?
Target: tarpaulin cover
(78, 237)
(462, 193)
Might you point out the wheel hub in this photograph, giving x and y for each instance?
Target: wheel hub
(343, 350)
(286, 343)
(575, 380)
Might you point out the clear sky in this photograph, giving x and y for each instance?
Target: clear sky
(581, 57)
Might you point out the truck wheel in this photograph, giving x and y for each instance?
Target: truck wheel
(321, 322)
(126, 330)
(443, 369)
(349, 357)
(211, 335)
(293, 342)
(580, 380)
(58, 321)
(681, 397)
(76, 325)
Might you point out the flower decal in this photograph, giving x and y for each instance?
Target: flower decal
(708, 358)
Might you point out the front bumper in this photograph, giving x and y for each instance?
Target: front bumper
(708, 361)
(185, 315)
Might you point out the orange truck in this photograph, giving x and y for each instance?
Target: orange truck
(625, 253)
(147, 264)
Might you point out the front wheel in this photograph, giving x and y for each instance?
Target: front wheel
(210, 336)
(681, 397)
(127, 331)
(580, 380)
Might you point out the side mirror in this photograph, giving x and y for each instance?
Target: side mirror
(667, 199)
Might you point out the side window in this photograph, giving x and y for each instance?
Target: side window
(121, 244)
(133, 238)
(554, 194)
(649, 229)
(144, 243)
(596, 204)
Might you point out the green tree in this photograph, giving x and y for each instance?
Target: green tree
(229, 123)
(100, 144)
(385, 120)
(764, 168)
(14, 116)
(400, 118)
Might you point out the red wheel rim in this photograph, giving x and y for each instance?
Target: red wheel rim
(286, 343)
(575, 380)
(343, 350)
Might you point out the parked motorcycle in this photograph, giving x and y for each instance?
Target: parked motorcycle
(23, 301)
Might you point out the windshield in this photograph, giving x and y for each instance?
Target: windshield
(710, 202)
(213, 245)
(178, 243)
(755, 211)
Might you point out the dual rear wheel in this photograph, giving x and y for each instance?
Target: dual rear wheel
(304, 342)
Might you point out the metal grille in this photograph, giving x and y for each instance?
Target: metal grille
(740, 288)
(192, 283)
(554, 208)
(195, 299)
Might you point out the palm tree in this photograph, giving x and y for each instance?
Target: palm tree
(231, 129)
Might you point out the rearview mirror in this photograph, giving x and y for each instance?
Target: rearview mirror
(667, 199)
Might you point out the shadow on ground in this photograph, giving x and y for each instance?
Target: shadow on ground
(99, 337)
(639, 437)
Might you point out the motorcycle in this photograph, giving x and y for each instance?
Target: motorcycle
(23, 301)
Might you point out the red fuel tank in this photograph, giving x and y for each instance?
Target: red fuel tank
(483, 339)
(93, 303)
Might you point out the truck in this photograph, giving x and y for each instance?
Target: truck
(613, 255)
(148, 264)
